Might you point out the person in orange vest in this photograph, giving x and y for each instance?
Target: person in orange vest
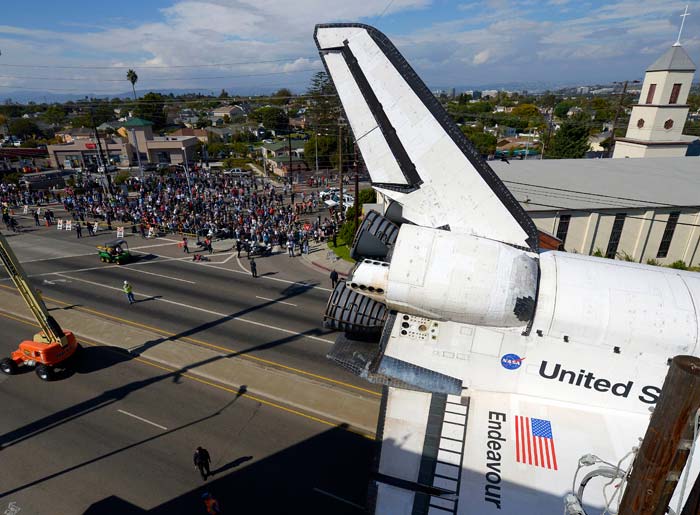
(211, 504)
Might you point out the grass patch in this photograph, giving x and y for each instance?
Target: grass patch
(341, 250)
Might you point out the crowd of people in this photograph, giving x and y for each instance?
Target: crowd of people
(251, 210)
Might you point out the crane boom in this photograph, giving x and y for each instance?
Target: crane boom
(50, 327)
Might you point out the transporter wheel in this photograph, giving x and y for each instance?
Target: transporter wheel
(8, 366)
(44, 372)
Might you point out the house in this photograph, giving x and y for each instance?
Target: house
(232, 111)
(280, 165)
(77, 133)
(281, 148)
(201, 134)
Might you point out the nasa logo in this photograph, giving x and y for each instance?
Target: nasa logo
(511, 361)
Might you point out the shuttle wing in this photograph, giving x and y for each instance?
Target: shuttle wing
(496, 453)
(414, 153)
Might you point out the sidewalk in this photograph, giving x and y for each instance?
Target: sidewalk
(312, 397)
(324, 259)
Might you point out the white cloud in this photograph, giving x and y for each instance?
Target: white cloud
(482, 57)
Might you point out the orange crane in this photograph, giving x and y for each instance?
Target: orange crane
(50, 348)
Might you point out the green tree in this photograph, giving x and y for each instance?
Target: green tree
(54, 115)
(483, 142)
(367, 196)
(324, 105)
(570, 141)
(526, 111)
(562, 108)
(223, 94)
(327, 151)
(23, 128)
(281, 96)
(152, 108)
(133, 78)
(272, 118)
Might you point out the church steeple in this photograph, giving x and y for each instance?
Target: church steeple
(656, 124)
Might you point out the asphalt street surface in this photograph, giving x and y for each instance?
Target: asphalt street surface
(117, 436)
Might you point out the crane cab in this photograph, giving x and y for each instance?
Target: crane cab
(45, 356)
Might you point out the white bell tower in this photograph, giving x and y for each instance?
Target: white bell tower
(656, 124)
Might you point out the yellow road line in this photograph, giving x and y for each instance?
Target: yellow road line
(209, 345)
(219, 386)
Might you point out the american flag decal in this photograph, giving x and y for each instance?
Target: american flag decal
(534, 442)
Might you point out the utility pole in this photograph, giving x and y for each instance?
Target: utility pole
(106, 184)
(289, 139)
(611, 147)
(357, 190)
(138, 153)
(667, 442)
(340, 168)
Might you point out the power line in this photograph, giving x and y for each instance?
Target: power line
(146, 66)
(160, 78)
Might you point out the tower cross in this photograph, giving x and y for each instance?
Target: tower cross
(678, 41)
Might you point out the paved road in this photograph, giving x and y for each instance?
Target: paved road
(276, 317)
(117, 437)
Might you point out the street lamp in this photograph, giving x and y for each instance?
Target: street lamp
(187, 171)
(316, 141)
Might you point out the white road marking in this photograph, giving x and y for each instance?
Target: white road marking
(286, 281)
(142, 419)
(195, 308)
(159, 275)
(56, 257)
(277, 301)
(151, 246)
(339, 499)
(240, 265)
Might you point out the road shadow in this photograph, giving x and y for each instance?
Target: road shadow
(95, 358)
(153, 297)
(231, 465)
(104, 456)
(291, 291)
(335, 462)
(268, 273)
(60, 308)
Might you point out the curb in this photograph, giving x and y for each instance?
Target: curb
(322, 267)
(284, 403)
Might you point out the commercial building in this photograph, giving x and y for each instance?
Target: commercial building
(135, 135)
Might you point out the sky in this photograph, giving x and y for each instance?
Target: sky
(86, 47)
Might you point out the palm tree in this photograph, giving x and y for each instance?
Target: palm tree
(133, 78)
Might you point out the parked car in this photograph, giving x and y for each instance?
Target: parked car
(327, 193)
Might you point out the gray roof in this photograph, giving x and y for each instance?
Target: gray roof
(594, 184)
(675, 59)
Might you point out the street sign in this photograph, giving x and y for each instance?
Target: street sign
(59, 225)
(120, 232)
(96, 227)
(69, 225)
(25, 210)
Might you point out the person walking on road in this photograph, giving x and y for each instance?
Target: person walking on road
(129, 290)
(185, 248)
(253, 268)
(91, 231)
(79, 230)
(334, 278)
(201, 461)
(211, 504)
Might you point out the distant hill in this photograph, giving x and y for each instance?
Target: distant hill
(24, 96)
